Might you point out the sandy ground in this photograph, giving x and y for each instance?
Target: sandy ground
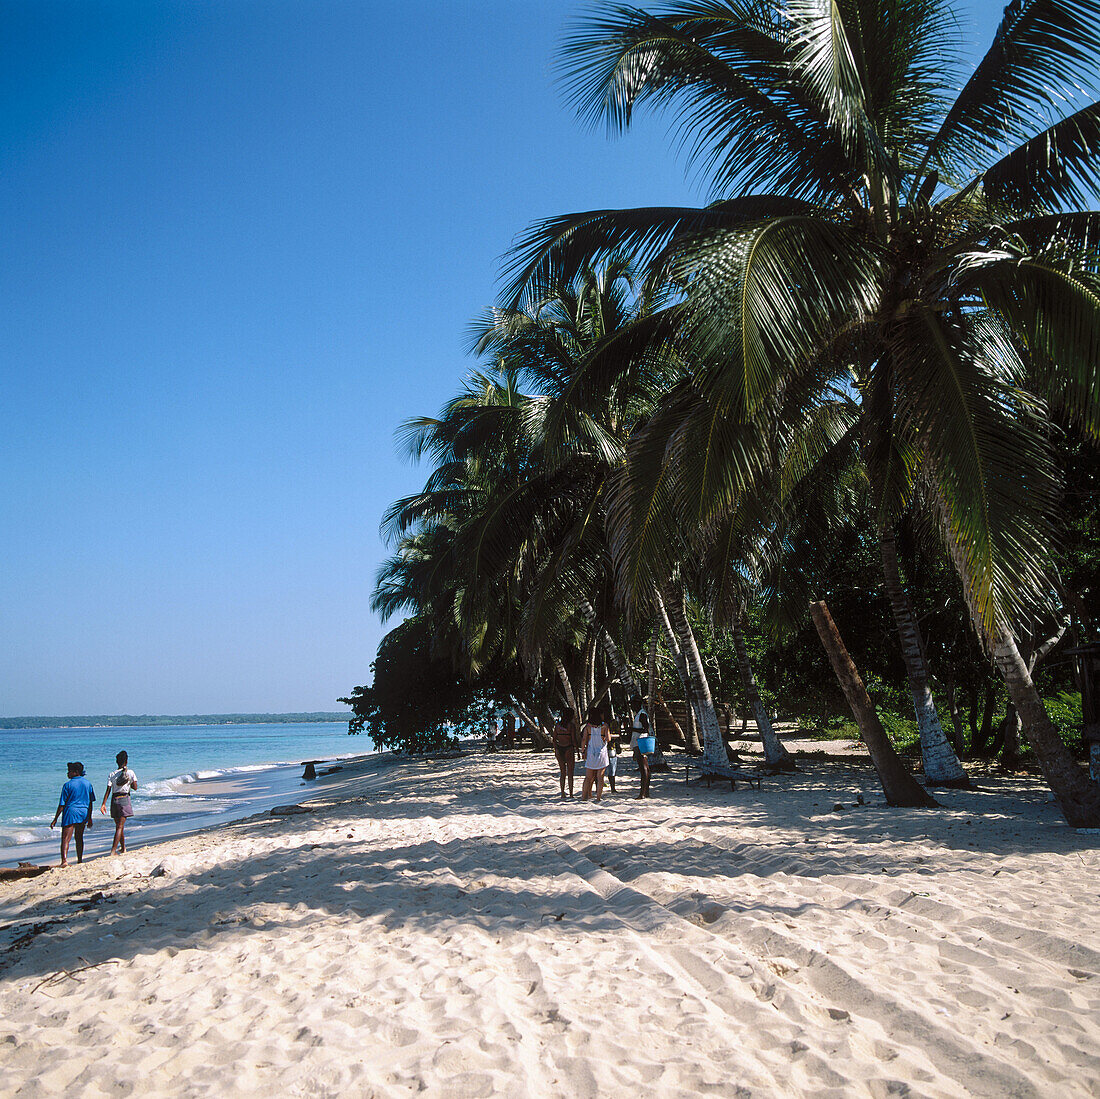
(449, 927)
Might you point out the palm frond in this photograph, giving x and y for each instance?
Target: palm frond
(765, 300)
(984, 443)
(825, 61)
(1077, 231)
(1057, 167)
(719, 68)
(1054, 309)
(557, 249)
(1042, 52)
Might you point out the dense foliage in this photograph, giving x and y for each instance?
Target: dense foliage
(865, 377)
(416, 702)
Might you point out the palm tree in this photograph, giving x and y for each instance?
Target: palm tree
(885, 225)
(513, 508)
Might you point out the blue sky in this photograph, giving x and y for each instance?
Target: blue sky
(242, 242)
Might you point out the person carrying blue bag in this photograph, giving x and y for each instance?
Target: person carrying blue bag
(75, 810)
(641, 733)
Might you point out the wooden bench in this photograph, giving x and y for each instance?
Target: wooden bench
(711, 771)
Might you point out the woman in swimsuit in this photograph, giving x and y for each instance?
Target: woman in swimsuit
(594, 743)
(565, 749)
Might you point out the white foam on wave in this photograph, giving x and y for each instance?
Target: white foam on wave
(172, 787)
(159, 788)
(14, 837)
(222, 772)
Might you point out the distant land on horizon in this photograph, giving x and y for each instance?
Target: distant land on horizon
(122, 721)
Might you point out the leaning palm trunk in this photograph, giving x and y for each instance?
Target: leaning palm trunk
(1077, 794)
(706, 717)
(567, 688)
(588, 675)
(651, 677)
(539, 734)
(677, 731)
(691, 734)
(774, 753)
(899, 786)
(941, 765)
(622, 670)
(1010, 748)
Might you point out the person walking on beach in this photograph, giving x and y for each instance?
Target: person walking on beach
(492, 741)
(641, 728)
(120, 784)
(75, 810)
(594, 743)
(565, 748)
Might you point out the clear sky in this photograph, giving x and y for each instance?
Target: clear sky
(241, 243)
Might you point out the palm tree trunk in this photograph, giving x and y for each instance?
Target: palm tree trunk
(1077, 795)
(588, 675)
(691, 737)
(956, 717)
(539, 735)
(622, 670)
(774, 753)
(673, 722)
(899, 786)
(567, 688)
(651, 678)
(714, 745)
(651, 690)
(941, 765)
(1010, 740)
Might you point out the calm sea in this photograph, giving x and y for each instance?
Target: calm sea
(170, 761)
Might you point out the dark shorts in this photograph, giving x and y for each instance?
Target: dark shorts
(121, 808)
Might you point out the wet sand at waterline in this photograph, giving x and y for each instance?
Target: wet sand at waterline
(449, 927)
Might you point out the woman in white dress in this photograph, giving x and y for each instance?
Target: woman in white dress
(594, 742)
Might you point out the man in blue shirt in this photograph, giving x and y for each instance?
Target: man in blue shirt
(75, 810)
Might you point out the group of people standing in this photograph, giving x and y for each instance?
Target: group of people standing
(77, 801)
(597, 744)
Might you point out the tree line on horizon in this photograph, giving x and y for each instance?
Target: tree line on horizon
(123, 721)
(860, 388)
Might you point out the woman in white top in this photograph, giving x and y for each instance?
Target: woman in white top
(594, 742)
(119, 785)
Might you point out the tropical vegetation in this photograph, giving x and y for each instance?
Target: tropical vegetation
(873, 356)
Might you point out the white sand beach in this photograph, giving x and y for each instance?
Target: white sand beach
(449, 927)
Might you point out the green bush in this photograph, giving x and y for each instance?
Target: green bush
(837, 728)
(902, 731)
(1065, 711)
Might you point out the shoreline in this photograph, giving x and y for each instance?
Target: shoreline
(448, 925)
(251, 788)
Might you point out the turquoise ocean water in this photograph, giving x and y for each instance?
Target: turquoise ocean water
(170, 762)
